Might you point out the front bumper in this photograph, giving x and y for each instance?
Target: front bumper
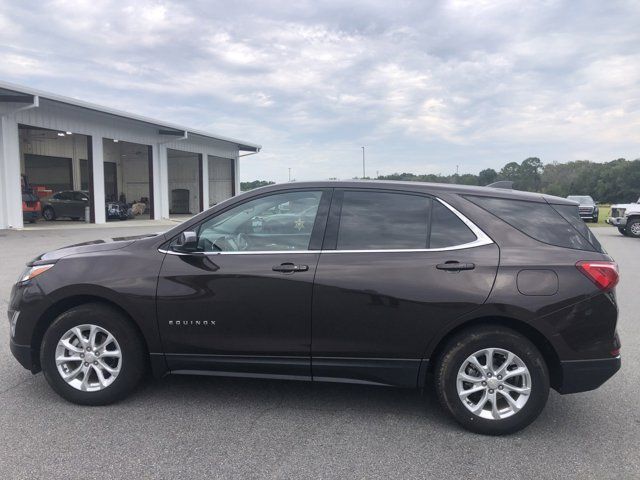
(24, 355)
(585, 375)
(617, 221)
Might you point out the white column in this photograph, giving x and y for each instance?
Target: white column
(77, 148)
(4, 222)
(163, 181)
(10, 186)
(205, 180)
(98, 178)
(236, 166)
(158, 192)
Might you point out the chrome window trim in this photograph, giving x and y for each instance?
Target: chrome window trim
(481, 240)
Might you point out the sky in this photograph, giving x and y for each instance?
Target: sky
(424, 86)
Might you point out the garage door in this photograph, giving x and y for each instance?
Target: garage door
(221, 179)
(54, 173)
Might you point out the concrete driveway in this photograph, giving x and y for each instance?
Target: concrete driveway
(206, 427)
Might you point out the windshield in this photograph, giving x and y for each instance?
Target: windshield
(581, 199)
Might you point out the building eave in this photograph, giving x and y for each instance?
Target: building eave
(14, 93)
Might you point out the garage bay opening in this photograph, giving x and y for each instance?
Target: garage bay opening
(128, 180)
(55, 175)
(185, 183)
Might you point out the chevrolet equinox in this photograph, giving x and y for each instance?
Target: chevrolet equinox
(491, 295)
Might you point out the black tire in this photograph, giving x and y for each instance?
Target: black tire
(466, 344)
(633, 228)
(134, 358)
(48, 214)
(622, 231)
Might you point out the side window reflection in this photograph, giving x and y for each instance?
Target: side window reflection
(275, 222)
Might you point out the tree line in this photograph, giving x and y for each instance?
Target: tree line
(246, 186)
(609, 182)
(615, 181)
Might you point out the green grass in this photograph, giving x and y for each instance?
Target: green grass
(605, 211)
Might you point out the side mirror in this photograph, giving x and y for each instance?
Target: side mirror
(186, 242)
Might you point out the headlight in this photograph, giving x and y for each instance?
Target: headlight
(32, 272)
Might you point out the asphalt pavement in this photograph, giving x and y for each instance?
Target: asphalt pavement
(208, 427)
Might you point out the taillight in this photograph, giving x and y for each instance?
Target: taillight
(603, 274)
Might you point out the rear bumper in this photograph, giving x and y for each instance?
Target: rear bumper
(585, 375)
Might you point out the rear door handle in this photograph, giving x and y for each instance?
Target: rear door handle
(453, 266)
(290, 268)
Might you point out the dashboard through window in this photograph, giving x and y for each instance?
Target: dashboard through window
(271, 223)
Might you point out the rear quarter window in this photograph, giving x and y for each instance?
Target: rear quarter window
(447, 230)
(541, 221)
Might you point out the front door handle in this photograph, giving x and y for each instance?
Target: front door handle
(453, 266)
(290, 268)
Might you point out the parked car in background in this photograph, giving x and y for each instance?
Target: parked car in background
(588, 209)
(405, 282)
(67, 203)
(626, 217)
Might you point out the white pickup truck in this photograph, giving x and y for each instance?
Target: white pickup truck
(626, 216)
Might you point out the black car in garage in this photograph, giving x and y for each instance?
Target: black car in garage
(382, 283)
(67, 204)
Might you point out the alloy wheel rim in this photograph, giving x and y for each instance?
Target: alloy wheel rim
(635, 228)
(88, 358)
(493, 383)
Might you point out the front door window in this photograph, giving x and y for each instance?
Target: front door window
(279, 222)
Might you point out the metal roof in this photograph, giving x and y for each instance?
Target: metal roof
(10, 92)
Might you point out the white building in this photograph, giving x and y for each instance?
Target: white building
(60, 143)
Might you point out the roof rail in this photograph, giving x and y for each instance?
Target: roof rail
(506, 184)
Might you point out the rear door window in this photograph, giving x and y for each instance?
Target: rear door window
(383, 221)
(373, 220)
(537, 220)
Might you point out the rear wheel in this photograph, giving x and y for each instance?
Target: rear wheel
(633, 228)
(492, 380)
(48, 214)
(91, 355)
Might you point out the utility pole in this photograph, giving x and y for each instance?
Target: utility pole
(289, 173)
(363, 169)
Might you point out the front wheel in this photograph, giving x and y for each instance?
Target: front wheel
(633, 228)
(622, 230)
(493, 380)
(91, 355)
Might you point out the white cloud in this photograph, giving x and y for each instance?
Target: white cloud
(425, 85)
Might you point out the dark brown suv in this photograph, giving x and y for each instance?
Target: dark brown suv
(492, 296)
